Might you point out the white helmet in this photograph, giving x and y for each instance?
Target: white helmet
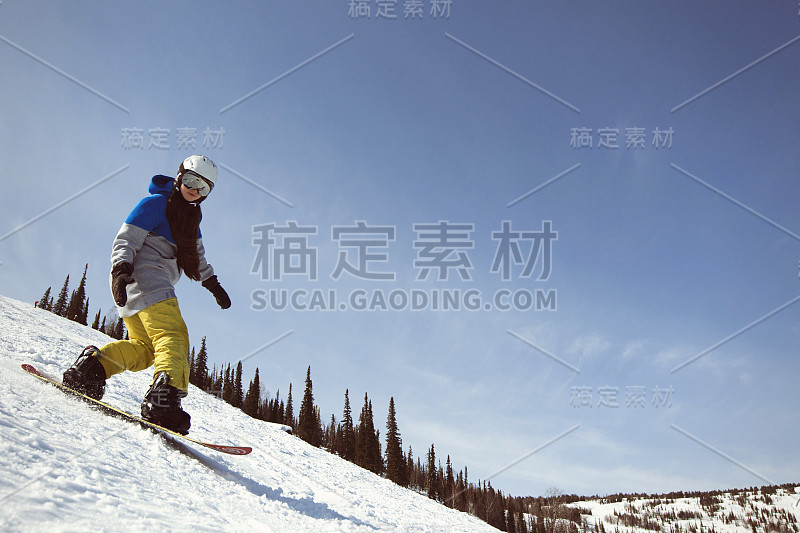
(201, 165)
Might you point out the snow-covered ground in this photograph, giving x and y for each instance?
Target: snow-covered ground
(729, 512)
(66, 467)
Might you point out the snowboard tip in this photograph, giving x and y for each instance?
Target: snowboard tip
(30, 369)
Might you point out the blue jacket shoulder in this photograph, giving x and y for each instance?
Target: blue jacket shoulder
(150, 213)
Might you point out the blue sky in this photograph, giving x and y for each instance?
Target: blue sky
(664, 249)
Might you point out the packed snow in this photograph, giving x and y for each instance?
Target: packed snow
(68, 467)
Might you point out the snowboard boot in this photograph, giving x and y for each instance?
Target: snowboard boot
(162, 405)
(87, 375)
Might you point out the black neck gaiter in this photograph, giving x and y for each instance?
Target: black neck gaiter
(184, 223)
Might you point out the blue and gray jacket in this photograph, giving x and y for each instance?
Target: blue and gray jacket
(146, 242)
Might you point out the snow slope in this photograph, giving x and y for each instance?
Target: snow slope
(730, 512)
(66, 467)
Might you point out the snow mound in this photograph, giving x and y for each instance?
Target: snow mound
(67, 467)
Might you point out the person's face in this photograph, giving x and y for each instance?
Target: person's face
(190, 195)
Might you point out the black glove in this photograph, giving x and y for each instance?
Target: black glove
(212, 284)
(120, 279)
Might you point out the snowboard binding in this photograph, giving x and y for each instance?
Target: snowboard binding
(162, 406)
(87, 375)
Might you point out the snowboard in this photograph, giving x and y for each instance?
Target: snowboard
(114, 411)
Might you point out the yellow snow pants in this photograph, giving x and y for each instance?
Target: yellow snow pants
(159, 338)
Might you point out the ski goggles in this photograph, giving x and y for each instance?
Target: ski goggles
(197, 182)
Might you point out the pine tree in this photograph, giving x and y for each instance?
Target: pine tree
(368, 445)
(459, 499)
(410, 468)
(395, 462)
(70, 312)
(448, 483)
(201, 365)
(480, 502)
(289, 411)
(496, 509)
(77, 302)
(119, 330)
(60, 307)
(263, 408)
(217, 384)
(430, 480)
(191, 366)
(84, 317)
(308, 426)
(511, 516)
(332, 436)
(96, 323)
(347, 449)
(361, 439)
(238, 394)
(253, 398)
(44, 301)
(318, 422)
(278, 409)
(376, 455)
(227, 385)
(273, 411)
(211, 380)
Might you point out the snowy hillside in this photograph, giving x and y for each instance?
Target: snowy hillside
(764, 510)
(67, 467)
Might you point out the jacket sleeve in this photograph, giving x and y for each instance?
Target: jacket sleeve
(205, 269)
(127, 243)
(140, 222)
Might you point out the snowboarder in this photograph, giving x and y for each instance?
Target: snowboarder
(160, 239)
